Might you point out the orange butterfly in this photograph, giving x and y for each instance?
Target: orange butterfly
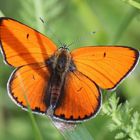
(56, 81)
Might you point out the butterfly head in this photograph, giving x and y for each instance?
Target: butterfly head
(60, 60)
(64, 47)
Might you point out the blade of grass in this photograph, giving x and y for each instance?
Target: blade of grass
(80, 133)
(90, 20)
(133, 3)
(72, 131)
(3, 124)
(124, 24)
(1, 14)
(39, 13)
(37, 132)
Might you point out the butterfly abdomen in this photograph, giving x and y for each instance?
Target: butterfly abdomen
(55, 93)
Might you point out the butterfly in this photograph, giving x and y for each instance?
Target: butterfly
(56, 81)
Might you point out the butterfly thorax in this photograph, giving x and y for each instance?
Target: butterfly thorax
(59, 64)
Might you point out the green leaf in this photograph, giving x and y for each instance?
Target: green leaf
(120, 135)
(133, 3)
(123, 119)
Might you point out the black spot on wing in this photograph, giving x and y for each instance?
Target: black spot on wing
(62, 116)
(71, 117)
(27, 36)
(104, 54)
(79, 89)
(33, 77)
(37, 109)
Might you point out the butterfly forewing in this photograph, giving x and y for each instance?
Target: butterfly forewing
(107, 65)
(23, 45)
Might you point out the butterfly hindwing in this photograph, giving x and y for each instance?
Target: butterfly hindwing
(105, 65)
(28, 85)
(81, 99)
(23, 45)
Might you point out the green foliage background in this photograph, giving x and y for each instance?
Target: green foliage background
(116, 23)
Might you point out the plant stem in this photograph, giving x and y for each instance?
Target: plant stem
(133, 3)
(37, 133)
(39, 13)
(90, 20)
(1, 14)
(124, 24)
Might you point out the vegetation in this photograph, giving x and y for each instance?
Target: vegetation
(115, 22)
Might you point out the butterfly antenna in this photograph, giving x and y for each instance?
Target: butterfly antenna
(50, 29)
(79, 39)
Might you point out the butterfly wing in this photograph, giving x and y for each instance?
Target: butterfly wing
(81, 99)
(27, 86)
(107, 65)
(23, 45)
